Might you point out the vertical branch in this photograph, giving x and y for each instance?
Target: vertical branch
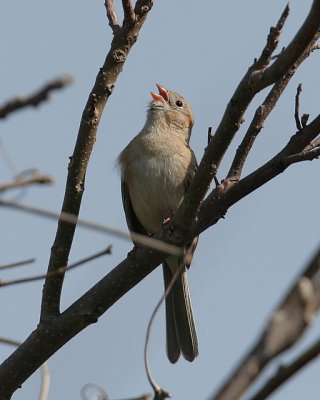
(123, 40)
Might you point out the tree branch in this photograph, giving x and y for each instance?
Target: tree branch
(129, 15)
(36, 98)
(254, 81)
(61, 270)
(123, 40)
(285, 327)
(293, 51)
(261, 114)
(230, 192)
(37, 179)
(61, 327)
(112, 16)
(286, 372)
(44, 370)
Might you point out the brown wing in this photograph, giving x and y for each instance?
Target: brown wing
(191, 172)
(133, 223)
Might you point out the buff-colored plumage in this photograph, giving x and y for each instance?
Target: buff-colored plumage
(156, 169)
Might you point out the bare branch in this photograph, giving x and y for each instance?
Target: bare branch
(159, 392)
(302, 40)
(296, 108)
(112, 16)
(17, 264)
(285, 327)
(142, 240)
(260, 116)
(272, 41)
(58, 271)
(123, 40)
(285, 372)
(253, 81)
(129, 15)
(36, 98)
(229, 192)
(142, 8)
(303, 156)
(37, 179)
(44, 369)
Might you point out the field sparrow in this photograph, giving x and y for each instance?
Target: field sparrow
(157, 167)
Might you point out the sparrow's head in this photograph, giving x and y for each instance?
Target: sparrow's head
(171, 110)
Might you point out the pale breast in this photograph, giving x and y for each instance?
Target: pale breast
(156, 179)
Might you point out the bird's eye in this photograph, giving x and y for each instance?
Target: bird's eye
(179, 103)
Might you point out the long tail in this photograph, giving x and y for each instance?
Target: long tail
(180, 326)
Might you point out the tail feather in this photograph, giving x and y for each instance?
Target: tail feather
(181, 331)
(173, 348)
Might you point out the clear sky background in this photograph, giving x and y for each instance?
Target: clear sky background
(242, 266)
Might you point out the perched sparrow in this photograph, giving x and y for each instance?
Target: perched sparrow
(157, 167)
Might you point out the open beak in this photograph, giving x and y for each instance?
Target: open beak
(163, 95)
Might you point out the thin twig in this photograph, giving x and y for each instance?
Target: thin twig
(7, 158)
(36, 98)
(44, 370)
(272, 40)
(142, 240)
(285, 372)
(60, 270)
(17, 264)
(297, 106)
(302, 40)
(261, 114)
(303, 156)
(159, 392)
(37, 179)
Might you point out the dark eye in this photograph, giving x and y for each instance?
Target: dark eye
(179, 103)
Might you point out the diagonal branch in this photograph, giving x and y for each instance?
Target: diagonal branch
(254, 81)
(286, 372)
(36, 98)
(272, 40)
(229, 192)
(293, 51)
(285, 327)
(261, 114)
(44, 369)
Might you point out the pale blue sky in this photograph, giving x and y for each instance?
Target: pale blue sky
(242, 266)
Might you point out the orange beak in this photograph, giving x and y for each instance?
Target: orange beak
(163, 95)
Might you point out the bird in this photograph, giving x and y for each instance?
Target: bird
(157, 167)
